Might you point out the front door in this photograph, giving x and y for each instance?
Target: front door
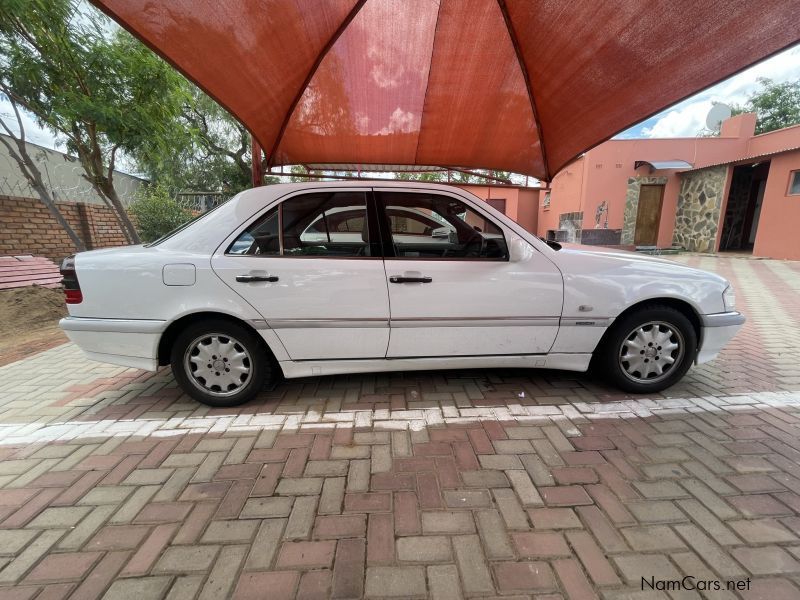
(452, 289)
(312, 267)
(648, 215)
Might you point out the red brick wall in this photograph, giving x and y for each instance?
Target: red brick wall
(27, 227)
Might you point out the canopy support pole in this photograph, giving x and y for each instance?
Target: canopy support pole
(256, 171)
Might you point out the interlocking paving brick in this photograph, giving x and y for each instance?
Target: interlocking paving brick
(493, 534)
(472, 565)
(66, 565)
(339, 526)
(306, 555)
(348, 569)
(540, 544)
(13, 540)
(767, 560)
(656, 538)
(524, 576)
(224, 532)
(443, 583)
(51, 518)
(261, 508)
(554, 518)
(424, 549)
(301, 519)
(467, 499)
(139, 588)
(281, 584)
(552, 484)
(380, 539)
(265, 545)
(447, 522)
(402, 582)
(185, 559)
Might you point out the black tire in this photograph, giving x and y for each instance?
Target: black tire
(609, 357)
(234, 340)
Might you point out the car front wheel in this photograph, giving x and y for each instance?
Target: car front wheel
(649, 349)
(220, 363)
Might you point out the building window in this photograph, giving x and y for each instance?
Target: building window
(498, 204)
(794, 183)
(546, 201)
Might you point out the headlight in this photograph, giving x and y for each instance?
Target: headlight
(729, 299)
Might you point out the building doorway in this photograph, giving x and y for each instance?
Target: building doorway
(743, 210)
(648, 215)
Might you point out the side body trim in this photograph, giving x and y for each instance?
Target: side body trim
(725, 319)
(112, 325)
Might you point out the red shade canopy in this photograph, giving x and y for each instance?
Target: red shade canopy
(517, 85)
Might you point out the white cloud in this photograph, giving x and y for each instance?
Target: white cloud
(401, 121)
(688, 118)
(383, 74)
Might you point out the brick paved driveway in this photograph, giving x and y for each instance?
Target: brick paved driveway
(442, 484)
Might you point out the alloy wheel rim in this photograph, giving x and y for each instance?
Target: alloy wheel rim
(651, 351)
(218, 364)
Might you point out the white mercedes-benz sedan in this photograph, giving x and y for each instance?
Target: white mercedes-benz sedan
(326, 278)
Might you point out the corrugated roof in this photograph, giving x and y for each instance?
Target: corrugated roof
(744, 159)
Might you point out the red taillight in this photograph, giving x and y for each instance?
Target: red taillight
(72, 289)
(73, 296)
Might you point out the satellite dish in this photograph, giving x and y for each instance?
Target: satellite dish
(718, 113)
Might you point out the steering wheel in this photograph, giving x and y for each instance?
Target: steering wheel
(470, 247)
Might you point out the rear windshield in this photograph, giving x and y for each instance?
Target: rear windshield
(182, 227)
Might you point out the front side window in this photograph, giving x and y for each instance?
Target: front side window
(332, 224)
(430, 226)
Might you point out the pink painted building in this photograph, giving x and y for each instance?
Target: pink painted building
(735, 192)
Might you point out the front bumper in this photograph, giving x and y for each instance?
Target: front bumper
(126, 342)
(716, 331)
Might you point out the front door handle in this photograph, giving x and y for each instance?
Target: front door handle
(404, 279)
(253, 278)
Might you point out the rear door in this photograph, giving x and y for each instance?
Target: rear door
(453, 290)
(312, 267)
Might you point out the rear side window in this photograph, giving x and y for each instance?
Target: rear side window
(332, 224)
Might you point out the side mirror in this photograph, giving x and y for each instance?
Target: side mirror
(519, 250)
(440, 232)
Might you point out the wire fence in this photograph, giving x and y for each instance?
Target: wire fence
(63, 176)
(199, 202)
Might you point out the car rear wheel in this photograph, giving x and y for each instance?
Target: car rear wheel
(220, 363)
(648, 350)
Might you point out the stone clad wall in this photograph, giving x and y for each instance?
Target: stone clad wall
(632, 205)
(698, 213)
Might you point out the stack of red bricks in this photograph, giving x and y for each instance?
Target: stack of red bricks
(22, 271)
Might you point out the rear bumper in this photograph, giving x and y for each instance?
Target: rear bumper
(717, 330)
(125, 342)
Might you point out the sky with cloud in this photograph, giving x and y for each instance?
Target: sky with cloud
(688, 118)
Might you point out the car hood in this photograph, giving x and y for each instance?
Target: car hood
(614, 253)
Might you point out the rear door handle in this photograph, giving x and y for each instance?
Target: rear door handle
(403, 279)
(253, 278)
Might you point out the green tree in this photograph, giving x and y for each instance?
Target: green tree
(89, 82)
(777, 105)
(157, 213)
(17, 149)
(204, 149)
